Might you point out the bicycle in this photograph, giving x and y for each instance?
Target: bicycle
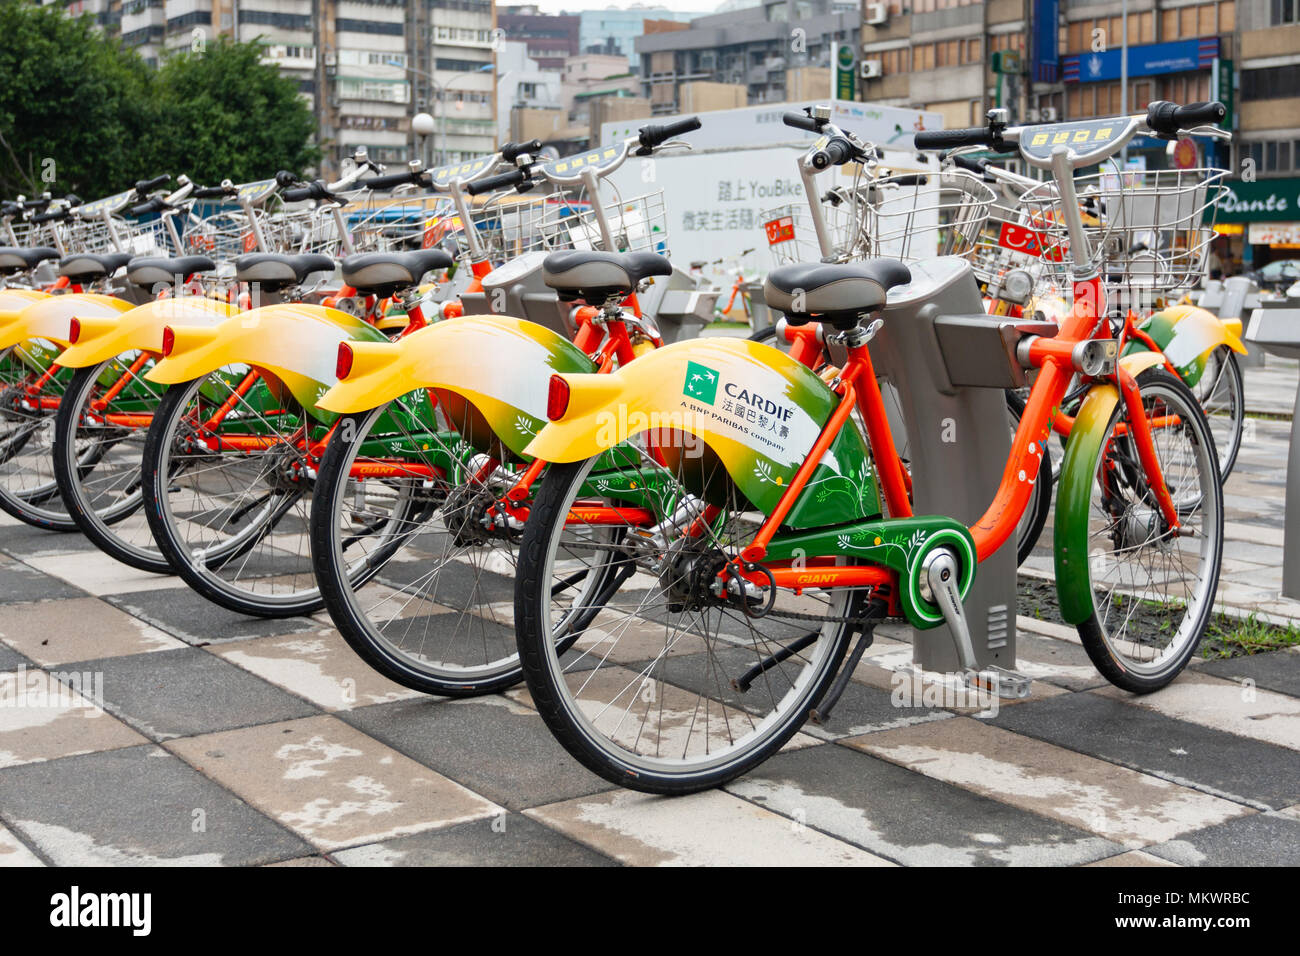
(429, 608)
(688, 673)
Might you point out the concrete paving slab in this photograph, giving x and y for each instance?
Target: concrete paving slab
(704, 829)
(503, 840)
(1122, 805)
(136, 807)
(187, 691)
(319, 666)
(330, 783)
(78, 629)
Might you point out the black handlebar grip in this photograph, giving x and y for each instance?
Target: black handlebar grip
(910, 179)
(284, 179)
(157, 204)
(969, 164)
(213, 192)
(10, 208)
(951, 138)
(297, 194)
(835, 153)
(512, 151)
(1168, 118)
(145, 185)
(35, 203)
(50, 216)
(392, 179)
(652, 136)
(801, 121)
(72, 199)
(513, 177)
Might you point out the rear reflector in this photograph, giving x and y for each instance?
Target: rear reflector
(169, 340)
(74, 331)
(557, 398)
(343, 364)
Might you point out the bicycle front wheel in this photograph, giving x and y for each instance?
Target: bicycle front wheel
(1151, 587)
(637, 670)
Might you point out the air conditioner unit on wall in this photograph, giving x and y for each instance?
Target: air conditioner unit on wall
(876, 14)
(1047, 114)
(870, 69)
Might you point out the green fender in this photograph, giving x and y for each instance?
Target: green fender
(1073, 498)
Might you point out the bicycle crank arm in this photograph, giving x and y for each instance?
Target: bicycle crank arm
(941, 582)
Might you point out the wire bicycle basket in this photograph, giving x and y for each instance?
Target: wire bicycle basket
(1148, 231)
(915, 217)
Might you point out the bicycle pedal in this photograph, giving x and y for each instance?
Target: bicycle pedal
(1007, 684)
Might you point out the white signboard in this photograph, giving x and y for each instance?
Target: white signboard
(1274, 233)
(716, 201)
(890, 127)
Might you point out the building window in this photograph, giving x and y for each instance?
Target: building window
(1270, 156)
(1275, 83)
(1285, 11)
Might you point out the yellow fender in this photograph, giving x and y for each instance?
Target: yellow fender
(502, 365)
(51, 317)
(141, 328)
(296, 342)
(1197, 332)
(1135, 363)
(13, 301)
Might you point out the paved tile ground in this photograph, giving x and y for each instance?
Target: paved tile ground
(169, 731)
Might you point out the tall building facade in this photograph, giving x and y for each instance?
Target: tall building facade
(550, 39)
(750, 49)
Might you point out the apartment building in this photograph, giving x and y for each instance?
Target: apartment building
(550, 38)
(750, 47)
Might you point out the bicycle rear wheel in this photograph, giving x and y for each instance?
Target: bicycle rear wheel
(29, 490)
(415, 569)
(661, 689)
(228, 504)
(107, 501)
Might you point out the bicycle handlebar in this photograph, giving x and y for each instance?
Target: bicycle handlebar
(513, 177)
(213, 192)
(157, 204)
(652, 136)
(801, 121)
(1166, 119)
(312, 190)
(285, 179)
(146, 185)
(835, 153)
(512, 151)
(50, 216)
(953, 138)
(394, 179)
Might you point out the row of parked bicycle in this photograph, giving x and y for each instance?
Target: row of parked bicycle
(531, 467)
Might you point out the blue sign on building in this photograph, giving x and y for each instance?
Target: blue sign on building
(1044, 58)
(1180, 56)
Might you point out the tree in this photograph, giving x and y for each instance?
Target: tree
(227, 115)
(74, 105)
